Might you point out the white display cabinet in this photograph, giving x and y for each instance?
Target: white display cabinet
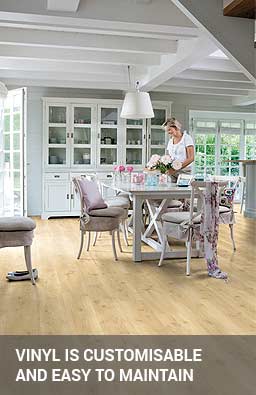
(157, 137)
(135, 142)
(83, 136)
(110, 131)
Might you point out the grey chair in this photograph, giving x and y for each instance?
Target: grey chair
(99, 220)
(182, 225)
(18, 232)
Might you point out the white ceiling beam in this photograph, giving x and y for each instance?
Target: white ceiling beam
(97, 26)
(86, 41)
(63, 5)
(187, 54)
(66, 76)
(244, 101)
(234, 36)
(213, 76)
(77, 55)
(210, 84)
(93, 85)
(177, 34)
(72, 67)
(200, 91)
(216, 65)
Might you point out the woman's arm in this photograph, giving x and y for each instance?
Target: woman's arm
(190, 151)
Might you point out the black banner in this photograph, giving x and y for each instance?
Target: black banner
(180, 365)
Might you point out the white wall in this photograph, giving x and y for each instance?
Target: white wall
(180, 108)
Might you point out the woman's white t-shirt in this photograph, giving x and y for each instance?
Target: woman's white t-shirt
(178, 151)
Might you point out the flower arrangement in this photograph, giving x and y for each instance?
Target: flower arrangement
(163, 163)
(119, 169)
(129, 169)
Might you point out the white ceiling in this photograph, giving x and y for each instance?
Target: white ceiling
(83, 44)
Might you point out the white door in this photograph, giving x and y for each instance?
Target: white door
(75, 201)
(57, 196)
(13, 198)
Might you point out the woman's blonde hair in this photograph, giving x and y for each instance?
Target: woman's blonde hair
(172, 122)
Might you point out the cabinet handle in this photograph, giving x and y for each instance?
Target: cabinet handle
(67, 135)
(72, 196)
(56, 176)
(72, 135)
(67, 195)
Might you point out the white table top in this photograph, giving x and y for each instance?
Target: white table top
(142, 189)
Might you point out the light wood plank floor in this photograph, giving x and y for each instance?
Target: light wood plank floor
(99, 296)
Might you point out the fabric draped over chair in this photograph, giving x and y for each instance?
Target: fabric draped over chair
(209, 229)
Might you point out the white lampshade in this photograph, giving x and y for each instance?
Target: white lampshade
(137, 105)
(3, 91)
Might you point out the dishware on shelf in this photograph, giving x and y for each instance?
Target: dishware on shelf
(53, 140)
(53, 159)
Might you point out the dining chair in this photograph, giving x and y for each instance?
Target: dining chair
(183, 225)
(227, 210)
(97, 220)
(18, 232)
(119, 200)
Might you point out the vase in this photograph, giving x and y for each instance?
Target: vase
(163, 179)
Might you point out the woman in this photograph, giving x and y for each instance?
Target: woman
(180, 147)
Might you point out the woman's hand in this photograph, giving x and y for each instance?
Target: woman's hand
(170, 172)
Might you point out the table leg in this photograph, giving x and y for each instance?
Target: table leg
(137, 218)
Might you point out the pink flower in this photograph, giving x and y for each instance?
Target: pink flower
(153, 161)
(129, 169)
(176, 164)
(166, 159)
(119, 168)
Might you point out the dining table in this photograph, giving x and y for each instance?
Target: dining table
(151, 234)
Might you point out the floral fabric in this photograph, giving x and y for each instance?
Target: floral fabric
(209, 229)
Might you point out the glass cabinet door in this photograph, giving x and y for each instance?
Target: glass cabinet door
(82, 135)
(135, 142)
(58, 135)
(108, 135)
(157, 135)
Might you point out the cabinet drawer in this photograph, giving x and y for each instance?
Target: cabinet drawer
(56, 176)
(82, 174)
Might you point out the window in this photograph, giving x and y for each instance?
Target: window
(11, 165)
(250, 140)
(220, 143)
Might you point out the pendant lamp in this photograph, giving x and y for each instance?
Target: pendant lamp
(136, 105)
(3, 91)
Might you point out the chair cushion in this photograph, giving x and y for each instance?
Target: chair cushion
(224, 209)
(174, 203)
(91, 194)
(179, 217)
(118, 202)
(100, 224)
(13, 224)
(113, 212)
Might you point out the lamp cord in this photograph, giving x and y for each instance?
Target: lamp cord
(129, 76)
